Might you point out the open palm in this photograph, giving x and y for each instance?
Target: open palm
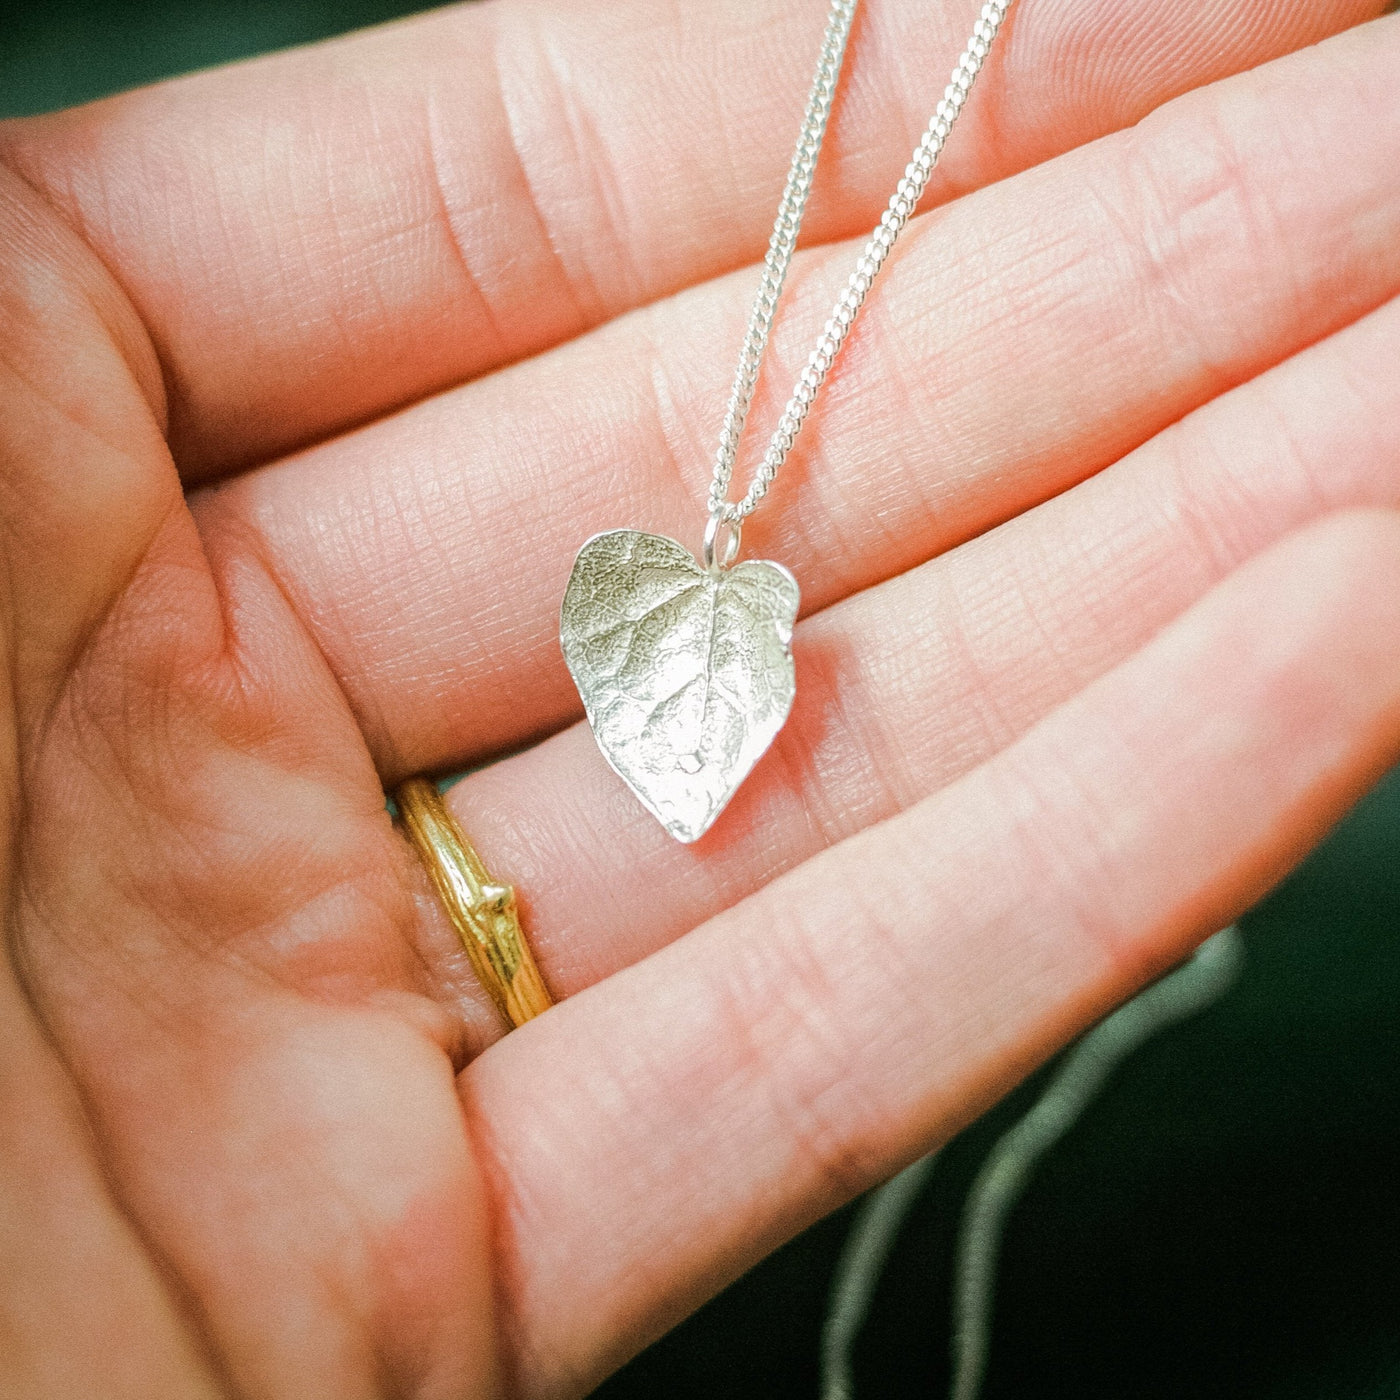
(314, 374)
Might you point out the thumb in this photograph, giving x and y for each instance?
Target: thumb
(87, 486)
(86, 492)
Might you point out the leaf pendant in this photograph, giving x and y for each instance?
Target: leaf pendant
(685, 673)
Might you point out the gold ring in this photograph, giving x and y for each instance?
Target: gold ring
(482, 910)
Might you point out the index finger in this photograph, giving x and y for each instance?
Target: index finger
(317, 238)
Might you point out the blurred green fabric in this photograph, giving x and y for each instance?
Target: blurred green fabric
(1224, 1222)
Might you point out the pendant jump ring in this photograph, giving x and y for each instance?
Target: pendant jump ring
(721, 550)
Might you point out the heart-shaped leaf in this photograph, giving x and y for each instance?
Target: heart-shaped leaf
(686, 674)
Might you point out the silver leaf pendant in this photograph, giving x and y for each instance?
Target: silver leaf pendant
(685, 673)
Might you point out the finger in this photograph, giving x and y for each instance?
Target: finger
(904, 688)
(794, 1050)
(1026, 338)
(202, 838)
(84, 470)
(87, 498)
(316, 238)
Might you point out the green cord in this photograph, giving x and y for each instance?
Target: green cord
(1004, 1176)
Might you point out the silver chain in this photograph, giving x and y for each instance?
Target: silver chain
(726, 517)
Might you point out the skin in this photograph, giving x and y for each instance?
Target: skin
(315, 372)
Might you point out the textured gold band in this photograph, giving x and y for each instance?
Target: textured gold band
(482, 911)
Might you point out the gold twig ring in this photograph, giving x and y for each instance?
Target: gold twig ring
(481, 909)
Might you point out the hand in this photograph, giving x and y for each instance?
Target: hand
(261, 1137)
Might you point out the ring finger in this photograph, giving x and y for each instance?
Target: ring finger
(1008, 626)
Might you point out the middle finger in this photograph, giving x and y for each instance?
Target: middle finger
(1027, 336)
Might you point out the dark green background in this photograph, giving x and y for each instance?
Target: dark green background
(1224, 1222)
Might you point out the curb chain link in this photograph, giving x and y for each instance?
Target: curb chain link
(784, 242)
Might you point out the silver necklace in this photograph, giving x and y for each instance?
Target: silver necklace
(684, 666)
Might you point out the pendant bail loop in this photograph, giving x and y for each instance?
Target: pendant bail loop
(721, 547)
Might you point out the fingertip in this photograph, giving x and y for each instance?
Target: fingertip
(1127, 58)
